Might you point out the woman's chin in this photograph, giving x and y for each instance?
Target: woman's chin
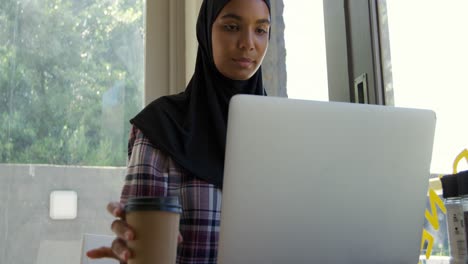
(239, 76)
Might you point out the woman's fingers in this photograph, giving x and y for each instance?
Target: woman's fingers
(118, 251)
(122, 230)
(116, 209)
(119, 248)
(179, 239)
(102, 252)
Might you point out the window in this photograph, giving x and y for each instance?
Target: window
(428, 69)
(305, 50)
(71, 76)
(72, 72)
(424, 64)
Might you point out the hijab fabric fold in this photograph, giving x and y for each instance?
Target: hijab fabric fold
(191, 126)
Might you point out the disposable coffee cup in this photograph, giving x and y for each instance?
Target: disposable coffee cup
(155, 221)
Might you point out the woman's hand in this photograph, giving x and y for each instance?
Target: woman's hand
(124, 233)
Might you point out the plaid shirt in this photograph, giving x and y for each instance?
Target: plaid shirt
(151, 172)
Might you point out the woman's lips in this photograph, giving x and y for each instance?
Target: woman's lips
(243, 62)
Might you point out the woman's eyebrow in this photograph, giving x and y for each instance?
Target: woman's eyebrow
(234, 16)
(263, 21)
(237, 17)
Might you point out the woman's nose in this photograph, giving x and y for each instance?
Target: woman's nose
(246, 40)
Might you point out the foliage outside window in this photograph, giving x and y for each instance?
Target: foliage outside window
(71, 76)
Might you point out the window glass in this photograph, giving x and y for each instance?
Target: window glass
(424, 59)
(306, 64)
(71, 76)
(428, 69)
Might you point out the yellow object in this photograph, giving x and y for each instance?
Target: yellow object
(426, 236)
(432, 216)
(435, 189)
(463, 154)
(436, 185)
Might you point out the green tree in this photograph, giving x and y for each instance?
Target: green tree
(71, 75)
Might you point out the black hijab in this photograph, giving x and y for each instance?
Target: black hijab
(191, 126)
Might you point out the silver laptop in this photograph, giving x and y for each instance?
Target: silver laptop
(320, 182)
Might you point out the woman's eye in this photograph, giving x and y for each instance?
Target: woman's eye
(231, 27)
(261, 31)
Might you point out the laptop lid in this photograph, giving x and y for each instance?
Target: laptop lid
(324, 182)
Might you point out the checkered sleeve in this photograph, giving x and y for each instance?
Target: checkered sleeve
(147, 168)
(151, 172)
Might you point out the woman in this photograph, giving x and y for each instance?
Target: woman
(177, 143)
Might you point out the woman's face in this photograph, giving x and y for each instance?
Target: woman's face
(240, 38)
